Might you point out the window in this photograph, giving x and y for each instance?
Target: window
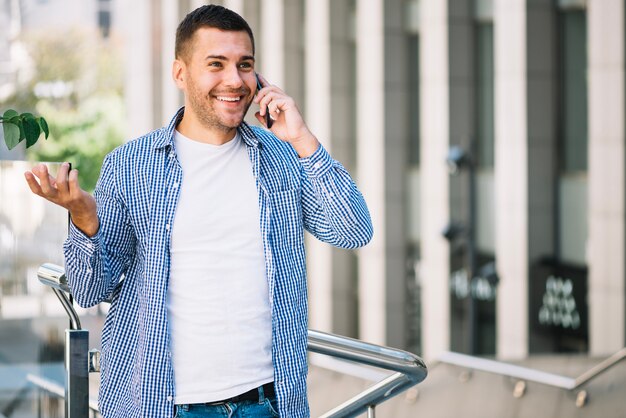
(484, 95)
(414, 94)
(573, 133)
(104, 17)
(573, 28)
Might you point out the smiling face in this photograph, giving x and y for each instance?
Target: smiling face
(218, 79)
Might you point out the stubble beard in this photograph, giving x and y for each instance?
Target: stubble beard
(201, 104)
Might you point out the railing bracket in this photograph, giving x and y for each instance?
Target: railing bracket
(412, 395)
(520, 389)
(94, 361)
(465, 376)
(581, 398)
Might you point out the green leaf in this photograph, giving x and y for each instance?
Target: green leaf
(44, 127)
(10, 113)
(31, 129)
(11, 134)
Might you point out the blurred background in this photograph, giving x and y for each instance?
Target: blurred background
(486, 135)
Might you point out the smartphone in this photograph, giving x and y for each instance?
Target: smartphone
(268, 119)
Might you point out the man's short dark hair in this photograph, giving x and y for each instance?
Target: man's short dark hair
(208, 16)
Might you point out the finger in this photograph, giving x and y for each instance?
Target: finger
(260, 118)
(274, 109)
(32, 183)
(45, 180)
(266, 100)
(264, 82)
(74, 187)
(61, 180)
(41, 170)
(267, 90)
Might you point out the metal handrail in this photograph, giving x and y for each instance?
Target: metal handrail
(528, 374)
(525, 374)
(506, 369)
(54, 276)
(410, 369)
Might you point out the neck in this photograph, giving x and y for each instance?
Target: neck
(192, 128)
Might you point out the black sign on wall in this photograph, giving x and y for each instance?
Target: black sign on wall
(558, 308)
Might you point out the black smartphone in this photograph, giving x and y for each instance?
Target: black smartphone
(268, 119)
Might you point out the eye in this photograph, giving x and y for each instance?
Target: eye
(245, 65)
(215, 64)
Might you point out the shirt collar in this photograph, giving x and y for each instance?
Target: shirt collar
(166, 139)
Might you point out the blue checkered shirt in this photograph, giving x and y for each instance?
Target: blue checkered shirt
(128, 261)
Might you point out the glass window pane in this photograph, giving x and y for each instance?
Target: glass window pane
(574, 91)
(485, 95)
(414, 108)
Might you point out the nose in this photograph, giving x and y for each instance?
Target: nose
(232, 77)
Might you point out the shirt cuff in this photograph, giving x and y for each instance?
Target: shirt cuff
(86, 244)
(318, 164)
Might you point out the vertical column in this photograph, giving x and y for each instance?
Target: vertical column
(295, 51)
(235, 6)
(194, 4)
(395, 164)
(511, 177)
(606, 175)
(170, 96)
(371, 165)
(462, 199)
(435, 211)
(136, 25)
(272, 41)
(541, 146)
(343, 123)
(317, 105)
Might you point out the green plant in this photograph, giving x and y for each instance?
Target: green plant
(18, 127)
(82, 135)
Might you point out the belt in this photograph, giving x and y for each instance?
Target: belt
(251, 395)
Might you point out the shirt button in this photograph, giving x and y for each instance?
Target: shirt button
(169, 399)
(167, 226)
(171, 155)
(175, 185)
(317, 165)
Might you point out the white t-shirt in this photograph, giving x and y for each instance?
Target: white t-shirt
(218, 297)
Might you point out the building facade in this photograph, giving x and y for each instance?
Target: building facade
(488, 139)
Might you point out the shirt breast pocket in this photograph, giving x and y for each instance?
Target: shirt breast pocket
(287, 222)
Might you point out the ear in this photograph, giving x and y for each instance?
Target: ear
(179, 73)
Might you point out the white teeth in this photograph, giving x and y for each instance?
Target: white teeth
(228, 99)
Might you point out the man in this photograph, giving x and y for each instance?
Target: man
(196, 236)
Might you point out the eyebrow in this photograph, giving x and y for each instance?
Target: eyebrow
(223, 58)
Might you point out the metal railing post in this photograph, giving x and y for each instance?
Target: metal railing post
(76, 358)
(371, 411)
(76, 373)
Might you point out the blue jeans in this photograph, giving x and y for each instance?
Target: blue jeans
(263, 408)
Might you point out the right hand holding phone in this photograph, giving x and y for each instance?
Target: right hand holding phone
(288, 123)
